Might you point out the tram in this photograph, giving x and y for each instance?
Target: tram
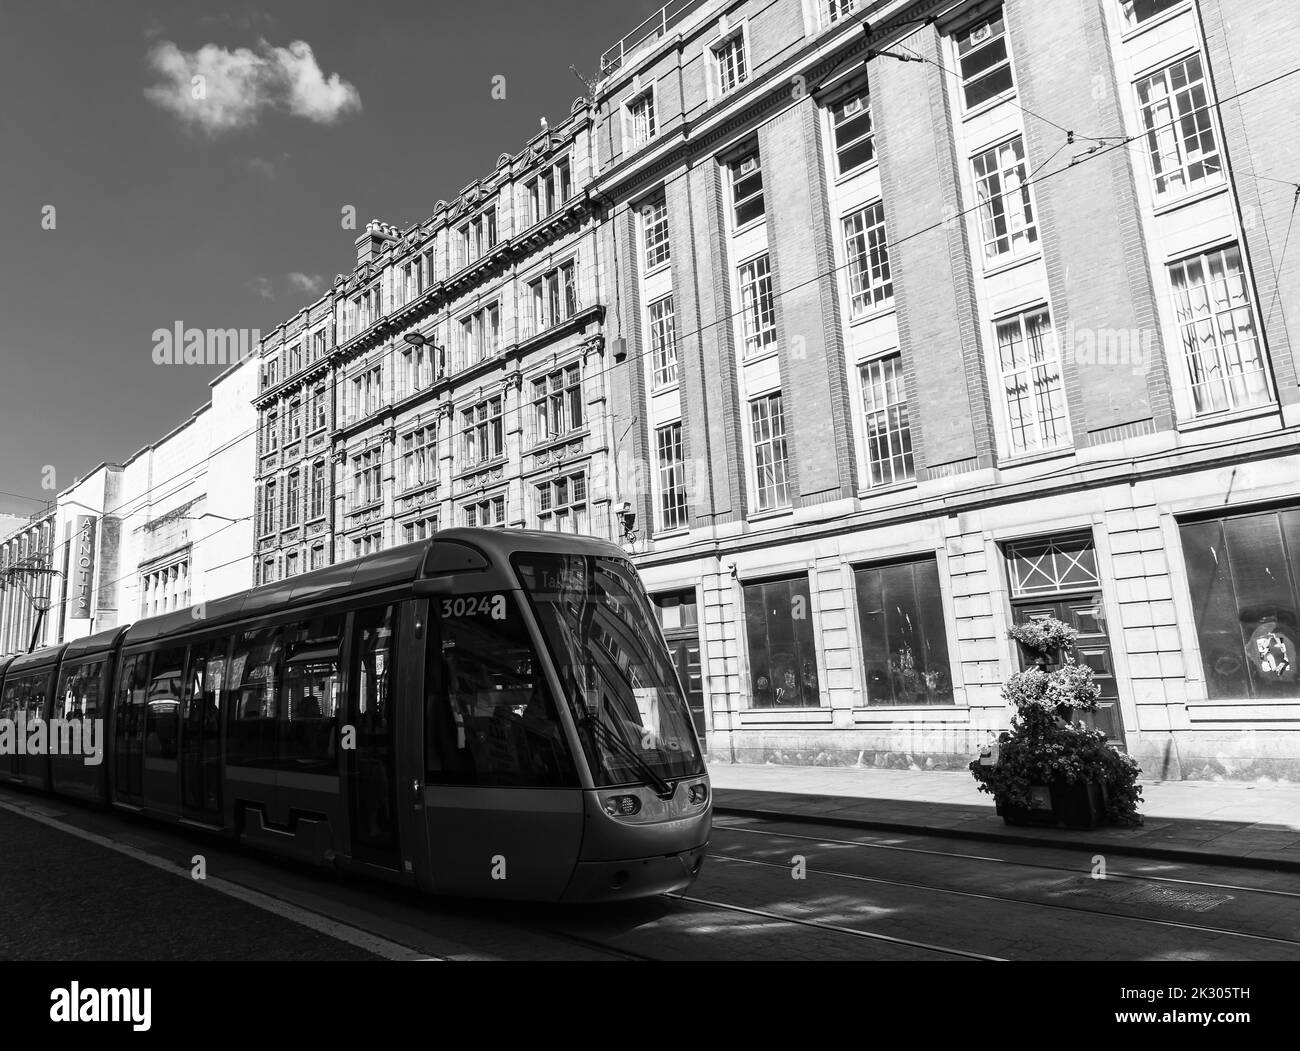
(487, 713)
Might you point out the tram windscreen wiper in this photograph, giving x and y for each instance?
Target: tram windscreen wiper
(644, 769)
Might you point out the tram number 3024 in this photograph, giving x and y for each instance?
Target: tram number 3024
(493, 606)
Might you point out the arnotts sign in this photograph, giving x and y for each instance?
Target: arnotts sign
(83, 572)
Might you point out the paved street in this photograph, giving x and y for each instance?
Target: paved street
(771, 890)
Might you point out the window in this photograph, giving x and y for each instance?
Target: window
(1005, 209)
(318, 345)
(1221, 348)
(366, 545)
(663, 343)
(1138, 11)
(318, 557)
(772, 488)
(758, 306)
(1244, 577)
(419, 457)
(318, 489)
(672, 477)
(271, 436)
(367, 487)
(554, 297)
(557, 403)
(1180, 138)
(482, 433)
(729, 58)
(268, 508)
(313, 695)
(1048, 567)
(268, 570)
(1030, 368)
(295, 420)
(421, 529)
(782, 650)
(852, 131)
(490, 717)
(255, 679)
(291, 564)
(888, 431)
(165, 589)
(316, 407)
(366, 392)
(549, 190)
(747, 189)
(838, 9)
(985, 63)
(562, 504)
(480, 335)
(163, 704)
(654, 223)
(641, 119)
(870, 283)
(478, 237)
(488, 512)
(904, 642)
(293, 499)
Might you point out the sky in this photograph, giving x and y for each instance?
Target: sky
(128, 204)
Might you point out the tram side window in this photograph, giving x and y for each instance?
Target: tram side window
(128, 721)
(14, 699)
(490, 718)
(375, 628)
(312, 688)
(79, 691)
(163, 703)
(254, 678)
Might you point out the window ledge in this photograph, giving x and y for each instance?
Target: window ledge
(941, 713)
(886, 490)
(763, 516)
(753, 224)
(668, 388)
(671, 534)
(1166, 206)
(658, 268)
(1158, 20)
(877, 314)
(786, 715)
(987, 105)
(1028, 459)
(1001, 268)
(1237, 416)
(760, 356)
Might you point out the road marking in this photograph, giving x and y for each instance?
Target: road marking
(361, 939)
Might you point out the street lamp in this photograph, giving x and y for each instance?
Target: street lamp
(419, 339)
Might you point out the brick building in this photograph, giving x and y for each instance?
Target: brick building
(928, 317)
(496, 414)
(25, 542)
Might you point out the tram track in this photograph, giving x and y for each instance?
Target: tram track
(1111, 874)
(910, 885)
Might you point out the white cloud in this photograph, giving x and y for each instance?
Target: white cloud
(218, 89)
(262, 286)
(309, 283)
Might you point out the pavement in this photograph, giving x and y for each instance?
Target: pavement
(1254, 825)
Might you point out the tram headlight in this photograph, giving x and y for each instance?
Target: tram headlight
(622, 806)
(698, 794)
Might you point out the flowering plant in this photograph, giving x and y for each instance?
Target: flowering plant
(1043, 635)
(1046, 745)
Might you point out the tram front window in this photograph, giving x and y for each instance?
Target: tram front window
(619, 683)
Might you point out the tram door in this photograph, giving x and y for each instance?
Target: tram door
(162, 718)
(201, 733)
(372, 764)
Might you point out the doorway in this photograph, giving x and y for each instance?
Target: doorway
(1058, 578)
(679, 617)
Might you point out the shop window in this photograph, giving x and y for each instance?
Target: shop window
(782, 648)
(904, 641)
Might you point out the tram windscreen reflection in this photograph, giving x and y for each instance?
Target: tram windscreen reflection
(617, 679)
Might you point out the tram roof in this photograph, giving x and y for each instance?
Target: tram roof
(36, 659)
(444, 552)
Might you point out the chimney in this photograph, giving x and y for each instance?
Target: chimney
(371, 243)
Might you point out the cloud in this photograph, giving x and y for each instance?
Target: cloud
(217, 89)
(262, 286)
(261, 166)
(309, 283)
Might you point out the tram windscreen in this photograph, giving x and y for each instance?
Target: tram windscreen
(616, 675)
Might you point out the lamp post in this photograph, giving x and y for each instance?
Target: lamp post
(419, 339)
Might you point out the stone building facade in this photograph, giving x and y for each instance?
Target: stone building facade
(936, 316)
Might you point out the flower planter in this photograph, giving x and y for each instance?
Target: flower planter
(1059, 805)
